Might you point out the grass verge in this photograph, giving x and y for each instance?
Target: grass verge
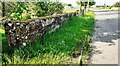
(59, 46)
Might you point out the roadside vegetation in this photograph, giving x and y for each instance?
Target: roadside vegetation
(117, 4)
(58, 47)
(29, 10)
(107, 7)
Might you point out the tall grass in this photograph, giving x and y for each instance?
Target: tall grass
(2, 38)
(57, 47)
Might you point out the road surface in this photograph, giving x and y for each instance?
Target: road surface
(105, 38)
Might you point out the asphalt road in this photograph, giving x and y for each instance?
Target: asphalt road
(105, 38)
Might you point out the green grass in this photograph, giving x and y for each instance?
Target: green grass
(2, 36)
(58, 46)
(2, 31)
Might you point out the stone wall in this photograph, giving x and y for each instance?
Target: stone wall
(23, 32)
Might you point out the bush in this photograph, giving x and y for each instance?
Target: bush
(27, 10)
(55, 8)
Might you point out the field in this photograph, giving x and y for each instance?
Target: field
(69, 10)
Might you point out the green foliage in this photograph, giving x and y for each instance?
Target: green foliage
(69, 4)
(78, 2)
(57, 47)
(27, 10)
(15, 10)
(91, 3)
(55, 8)
(117, 4)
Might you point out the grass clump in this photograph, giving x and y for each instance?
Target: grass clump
(57, 47)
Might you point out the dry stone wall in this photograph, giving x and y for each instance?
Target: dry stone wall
(23, 32)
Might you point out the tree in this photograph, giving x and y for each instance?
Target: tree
(117, 4)
(91, 2)
(70, 5)
(86, 4)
